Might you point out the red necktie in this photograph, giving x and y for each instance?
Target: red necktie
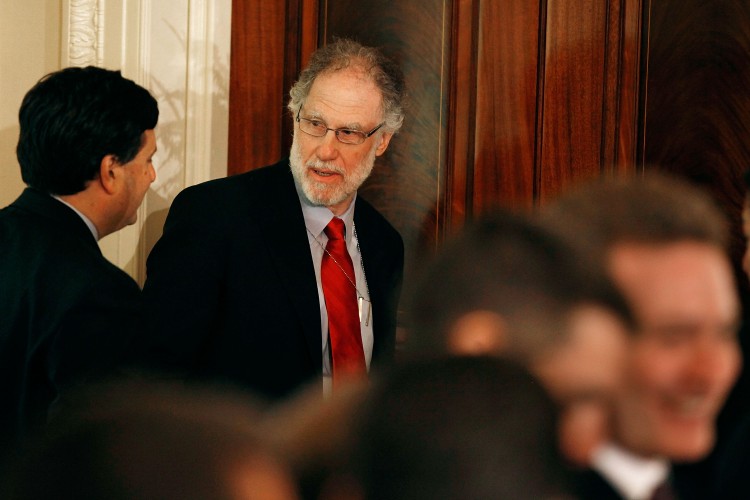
(339, 289)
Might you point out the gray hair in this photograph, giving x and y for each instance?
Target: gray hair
(344, 53)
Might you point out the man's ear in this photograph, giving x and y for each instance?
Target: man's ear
(108, 173)
(478, 333)
(385, 139)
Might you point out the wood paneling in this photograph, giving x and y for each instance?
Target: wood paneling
(589, 72)
(271, 42)
(697, 99)
(407, 184)
(506, 106)
(256, 84)
(509, 101)
(462, 96)
(572, 93)
(557, 97)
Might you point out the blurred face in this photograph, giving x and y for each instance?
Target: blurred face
(139, 174)
(261, 479)
(583, 374)
(685, 357)
(589, 364)
(327, 171)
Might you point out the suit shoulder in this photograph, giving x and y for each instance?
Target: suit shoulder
(370, 216)
(233, 190)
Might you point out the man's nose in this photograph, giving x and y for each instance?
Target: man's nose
(328, 147)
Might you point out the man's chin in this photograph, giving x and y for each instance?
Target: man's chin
(131, 220)
(321, 198)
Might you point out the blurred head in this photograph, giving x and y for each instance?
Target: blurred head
(141, 441)
(458, 428)
(685, 356)
(507, 287)
(73, 118)
(663, 242)
(314, 434)
(583, 374)
(347, 104)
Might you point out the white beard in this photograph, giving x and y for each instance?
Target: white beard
(320, 193)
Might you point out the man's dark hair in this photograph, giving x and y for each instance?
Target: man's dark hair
(73, 118)
(458, 427)
(505, 263)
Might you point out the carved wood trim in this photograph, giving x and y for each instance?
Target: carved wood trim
(456, 204)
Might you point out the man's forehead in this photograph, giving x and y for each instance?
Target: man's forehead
(687, 279)
(649, 258)
(343, 92)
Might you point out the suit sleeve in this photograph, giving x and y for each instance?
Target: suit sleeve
(184, 285)
(94, 337)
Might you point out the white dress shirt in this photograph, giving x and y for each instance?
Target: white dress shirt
(634, 477)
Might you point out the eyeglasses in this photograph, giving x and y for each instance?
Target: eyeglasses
(317, 128)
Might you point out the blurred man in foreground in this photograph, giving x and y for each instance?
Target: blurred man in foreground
(663, 242)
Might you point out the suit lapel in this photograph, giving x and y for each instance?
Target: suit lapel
(281, 221)
(372, 261)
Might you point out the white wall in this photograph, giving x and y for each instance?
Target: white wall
(178, 49)
(29, 49)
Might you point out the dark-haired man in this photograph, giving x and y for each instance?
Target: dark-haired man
(68, 314)
(238, 287)
(506, 287)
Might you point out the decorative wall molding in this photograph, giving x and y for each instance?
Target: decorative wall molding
(85, 33)
(179, 50)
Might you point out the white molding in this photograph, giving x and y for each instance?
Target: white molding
(198, 96)
(135, 64)
(84, 32)
(207, 91)
(191, 85)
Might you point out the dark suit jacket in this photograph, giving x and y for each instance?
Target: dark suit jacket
(231, 291)
(591, 485)
(66, 313)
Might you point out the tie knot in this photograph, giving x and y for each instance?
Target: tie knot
(335, 229)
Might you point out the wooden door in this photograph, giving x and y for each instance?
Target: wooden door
(510, 101)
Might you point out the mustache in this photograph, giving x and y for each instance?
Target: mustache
(325, 165)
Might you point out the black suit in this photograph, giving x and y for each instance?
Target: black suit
(231, 291)
(591, 485)
(66, 313)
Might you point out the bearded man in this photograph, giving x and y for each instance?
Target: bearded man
(237, 287)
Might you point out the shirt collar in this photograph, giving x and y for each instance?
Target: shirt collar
(317, 218)
(633, 476)
(85, 219)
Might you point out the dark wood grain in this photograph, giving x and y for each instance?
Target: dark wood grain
(506, 106)
(461, 125)
(256, 93)
(622, 117)
(573, 94)
(697, 100)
